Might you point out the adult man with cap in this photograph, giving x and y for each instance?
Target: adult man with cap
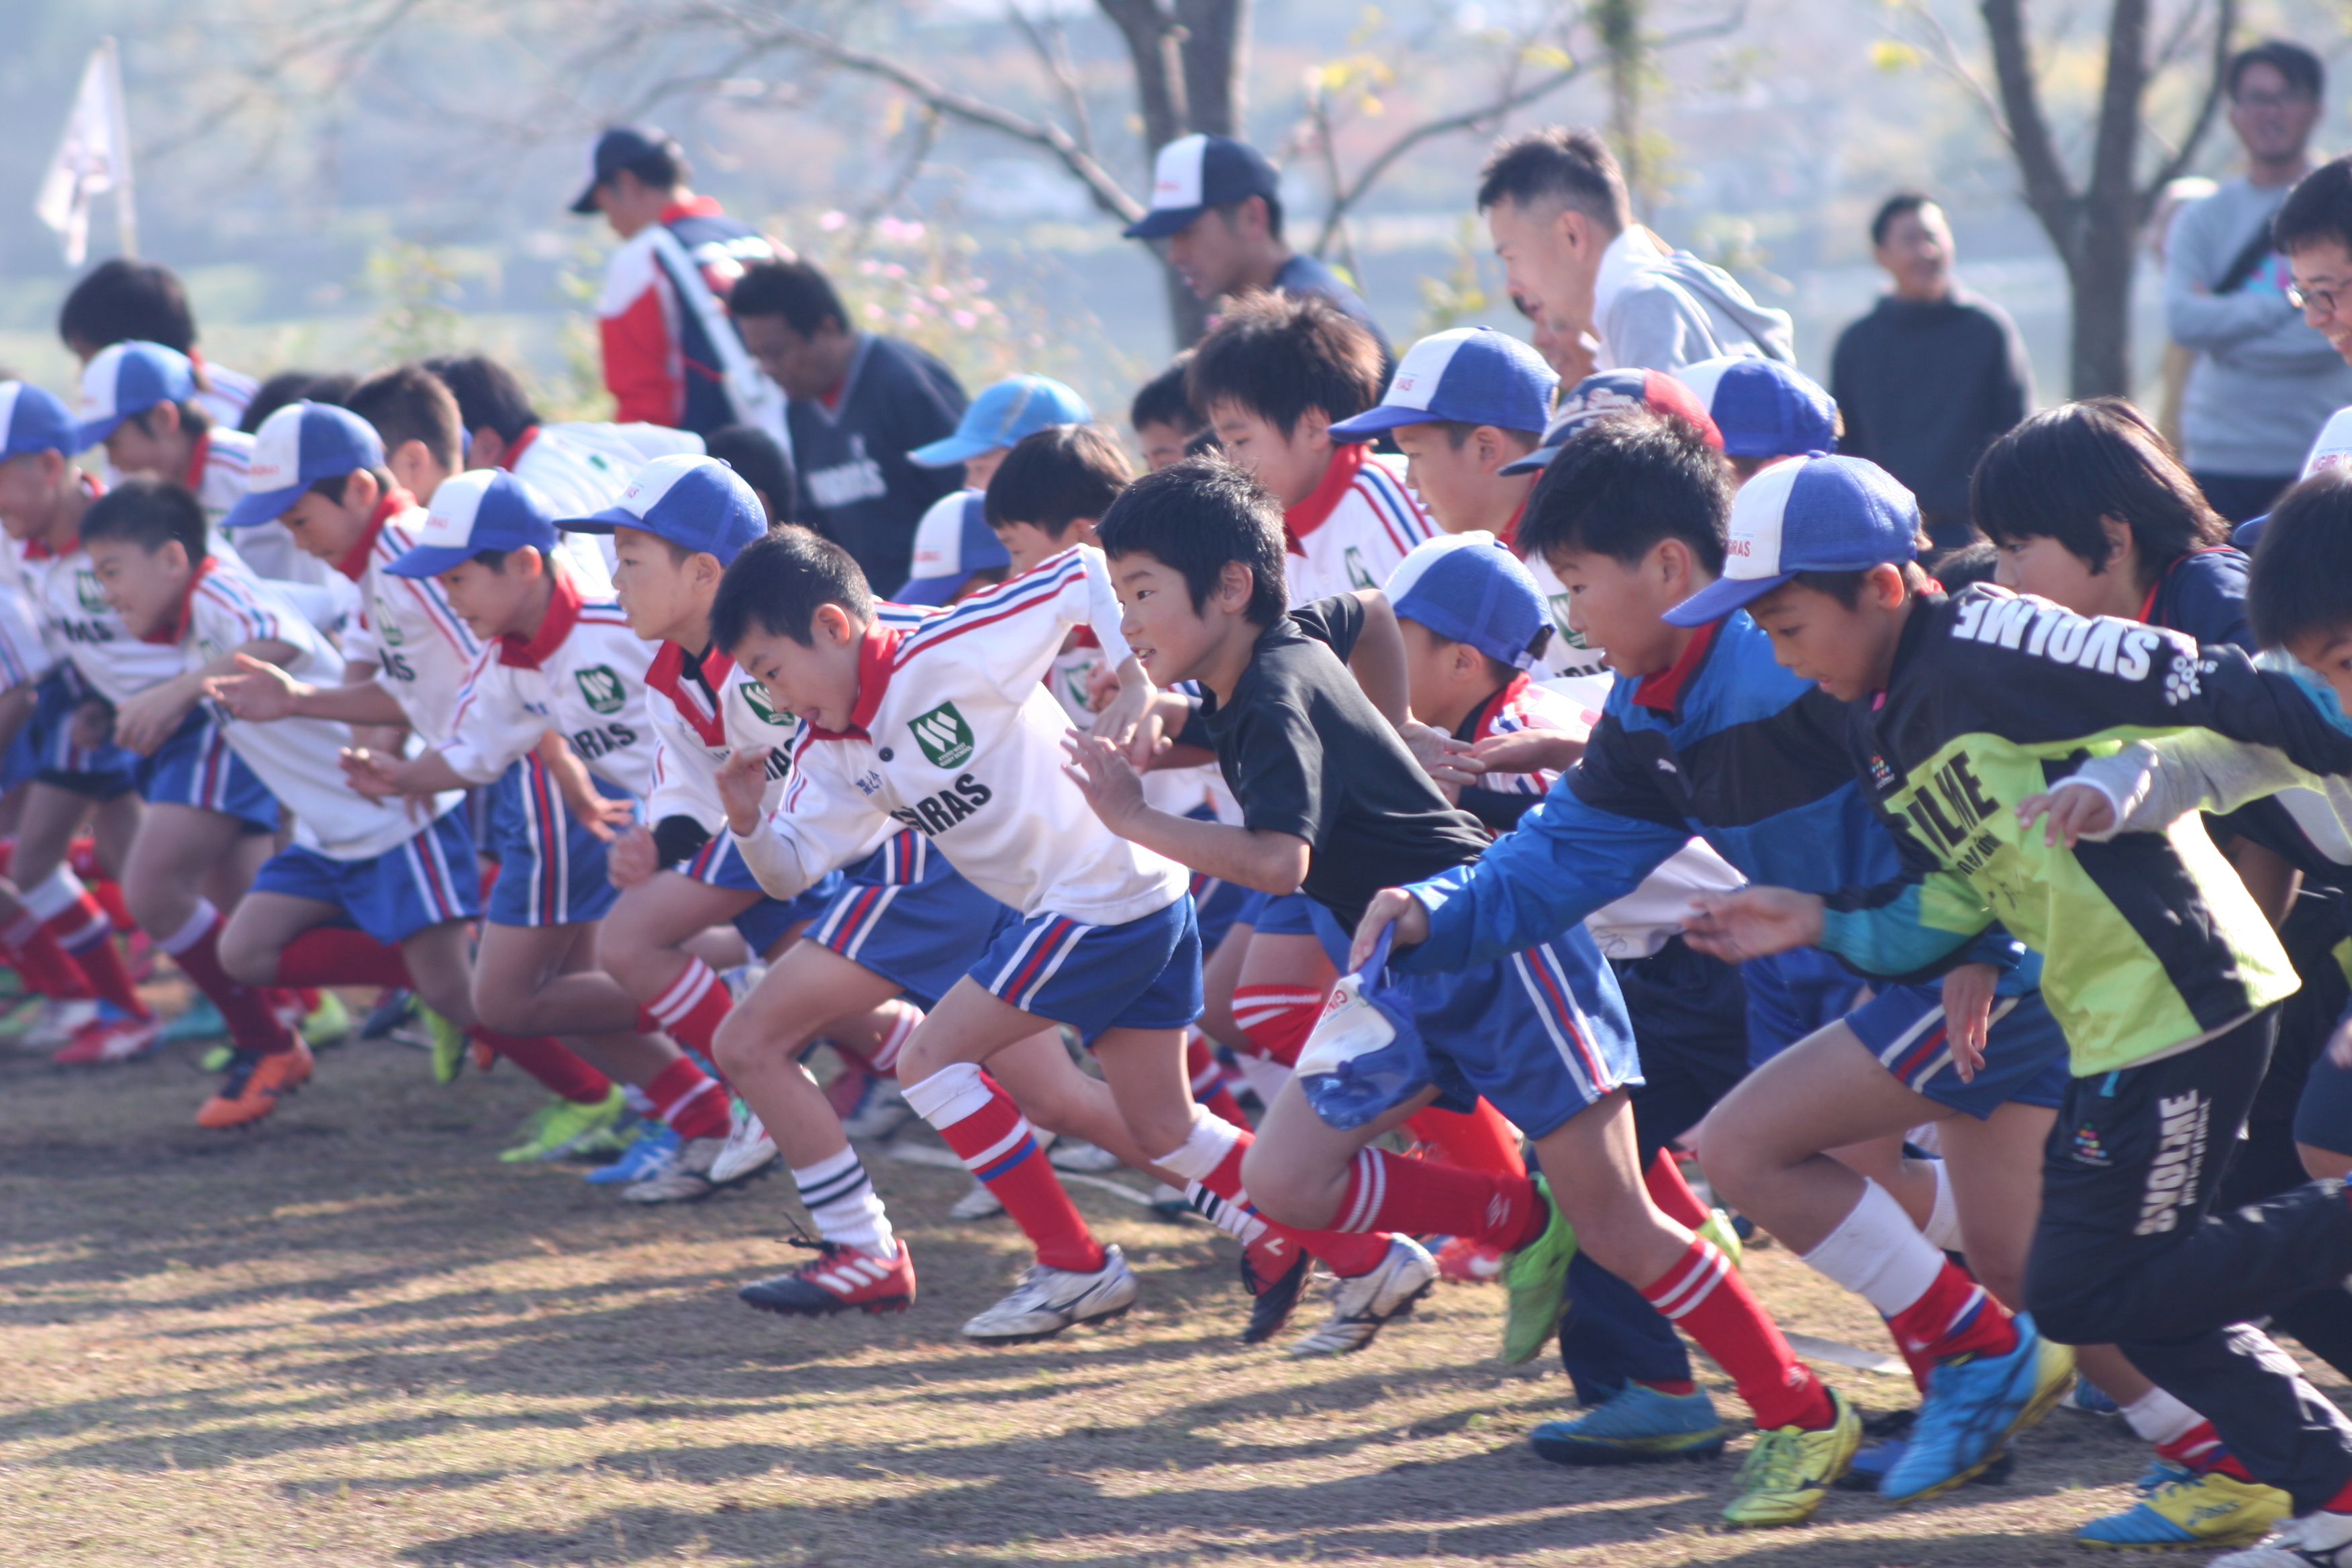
(1218, 203)
(953, 543)
(1764, 409)
(671, 357)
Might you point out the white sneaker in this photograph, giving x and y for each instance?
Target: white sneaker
(2313, 1541)
(882, 1113)
(1360, 1305)
(977, 1204)
(681, 1176)
(1048, 1301)
(1076, 1154)
(60, 1022)
(749, 1151)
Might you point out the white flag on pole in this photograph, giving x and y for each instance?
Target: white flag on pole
(93, 158)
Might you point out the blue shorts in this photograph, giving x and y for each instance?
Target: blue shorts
(1792, 994)
(550, 868)
(1217, 907)
(22, 761)
(1277, 914)
(907, 915)
(197, 767)
(2323, 1117)
(764, 921)
(101, 771)
(1540, 1035)
(2025, 1050)
(427, 881)
(1144, 974)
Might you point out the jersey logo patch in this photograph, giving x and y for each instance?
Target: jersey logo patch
(755, 696)
(601, 687)
(92, 596)
(387, 627)
(945, 738)
(1357, 573)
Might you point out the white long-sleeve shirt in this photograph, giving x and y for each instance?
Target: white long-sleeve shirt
(955, 735)
(583, 675)
(421, 652)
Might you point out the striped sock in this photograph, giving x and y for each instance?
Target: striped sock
(253, 1022)
(690, 1100)
(990, 1135)
(840, 1199)
(1428, 1197)
(1704, 1297)
(693, 1007)
(1480, 1141)
(1278, 1018)
(1208, 1075)
(1210, 1158)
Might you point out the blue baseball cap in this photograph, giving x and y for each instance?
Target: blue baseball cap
(1017, 406)
(1474, 374)
(1613, 392)
(618, 148)
(33, 419)
(298, 444)
(481, 509)
(1194, 174)
(1469, 587)
(1814, 513)
(695, 502)
(124, 379)
(951, 542)
(1764, 408)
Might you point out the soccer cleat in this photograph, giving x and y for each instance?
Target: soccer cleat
(2160, 1473)
(1718, 1228)
(1870, 1467)
(1972, 1407)
(2086, 1396)
(2211, 1509)
(1635, 1425)
(21, 1015)
(1536, 1276)
(1790, 1469)
(1048, 1301)
(749, 1151)
(1170, 1205)
(255, 1085)
(682, 1176)
(115, 1039)
(881, 1111)
(1468, 1262)
(977, 1204)
(837, 1279)
(1361, 1303)
(327, 1024)
(200, 1020)
(449, 1042)
(392, 1010)
(1274, 1272)
(563, 1125)
(53, 1023)
(2315, 1541)
(652, 1143)
(1074, 1155)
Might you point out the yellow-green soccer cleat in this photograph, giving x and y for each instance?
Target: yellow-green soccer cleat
(1790, 1469)
(1718, 1228)
(449, 1044)
(567, 1125)
(2212, 1509)
(1534, 1278)
(327, 1024)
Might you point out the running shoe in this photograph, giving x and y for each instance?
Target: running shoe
(119, 1038)
(54, 1022)
(1076, 1154)
(565, 1126)
(1170, 1206)
(2211, 1509)
(1361, 1303)
(1972, 1407)
(880, 1113)
(1468, 1262)
(255, 1085)
(749, 1151)
(681, 1176)
(199, 1020)
(1274, 1272)
(1536, 1276)
(449, 1042)
(1791, 1468)
(977, 1204)
(1635, 1425)
(327, 1024)
(392, 1010)
(22, 1013)
(2087, 1397)
(652, 1143)
(837, 1279)
(2315, 1541)
(1048, 1301)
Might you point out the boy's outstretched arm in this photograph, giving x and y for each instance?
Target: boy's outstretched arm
(2150, 785)
(1265, 862)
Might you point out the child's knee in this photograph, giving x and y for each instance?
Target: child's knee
(250, 960)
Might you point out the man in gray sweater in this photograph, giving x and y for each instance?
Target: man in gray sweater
(2263, 382)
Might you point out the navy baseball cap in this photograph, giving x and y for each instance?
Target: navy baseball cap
(296, 446)
(1814, 513)
(696, 502)
(124, 379)
(1472, 374)
(1469, 587)
(1764, 408)
(1194, 174)
(1017, 406)
(1612, 392)
(613, 151)
(951, 542)
(481, 509)
(33, 419)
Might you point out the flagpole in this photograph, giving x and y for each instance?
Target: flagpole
(126, 209)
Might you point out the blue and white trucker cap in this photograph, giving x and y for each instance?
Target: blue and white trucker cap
(481, 509)
(1814, 513)
(1474, 374)
(297, 446)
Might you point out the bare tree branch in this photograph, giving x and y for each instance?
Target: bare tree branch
(2224, 23)
(2048, 191)
(1053, 53)
(1948, 59)
(1152, 44)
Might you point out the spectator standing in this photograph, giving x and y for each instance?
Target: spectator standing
(1933, 376)
(2263, 382)
(859, 403)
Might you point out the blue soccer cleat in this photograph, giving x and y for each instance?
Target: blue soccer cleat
(1634, 1426)
(1973, 1405)
(653, 1144)
(2211, 1509)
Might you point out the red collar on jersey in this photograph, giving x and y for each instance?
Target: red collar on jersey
(1475, 724)
(203, 450)
(1662, 692)
(517, 447)
(666, 675)
(174, 627)
(874, 655)
(563, 613)
(38, 549)
(1510, 534)
(1312, 513)
(393, 502)
(693, 206)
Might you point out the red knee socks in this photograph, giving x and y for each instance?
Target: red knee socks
(1481, 1140)
(1706, 1298)
(1278, 1018)
(691, 1009)
(253, 1023)
(990, 1135)
(690, 1100)
(1209, 1081)
(555, 1066)
(1429, 1197)
(1211, 1155)
(47, 968)
(1672, 1194)
(338, 955)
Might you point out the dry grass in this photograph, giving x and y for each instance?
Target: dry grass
(349, 1337)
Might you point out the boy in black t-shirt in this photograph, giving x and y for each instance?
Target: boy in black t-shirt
(1334, 805)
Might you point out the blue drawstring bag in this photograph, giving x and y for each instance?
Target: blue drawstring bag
(1365, 1056)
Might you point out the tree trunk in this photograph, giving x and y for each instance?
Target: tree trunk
(1187, 77)
(1618, 22)
(2099, 363)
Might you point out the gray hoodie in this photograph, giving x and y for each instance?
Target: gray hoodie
(1660, 309)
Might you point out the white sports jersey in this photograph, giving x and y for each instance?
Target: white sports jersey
(582, 468)
(82, 626)
(954, 735)
(694, 736)
(1352, 532)
(231, 394)
(296, 759)
(218, 474)
(26, 654)
(404, 626)
(582, 676)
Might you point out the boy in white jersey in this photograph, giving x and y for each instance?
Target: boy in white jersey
(580, 467)
(938, 720)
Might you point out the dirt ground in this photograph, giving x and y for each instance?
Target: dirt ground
(350, 1336)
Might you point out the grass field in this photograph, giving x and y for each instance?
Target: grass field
(348, 1336)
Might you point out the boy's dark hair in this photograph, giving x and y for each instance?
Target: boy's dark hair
(1624, 482)
(2299, 65)
(331, 484)
(489, 395)
(1574, 168)
(1896, 206)
(122, 301)
(1195, 517)
(1162, 399)
(1201, 442)
(1055, 476)
(294, 386)
(149, 513)
(1460, 430)
(777, 584)
(662, 165)
(194, 417)
(1845, 587)
(1958, 568)
(2318, 209)
(1279, 355)
(2062, 470)
(409, 403)
(2301, 582)
(795, 290)
(763, 465)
